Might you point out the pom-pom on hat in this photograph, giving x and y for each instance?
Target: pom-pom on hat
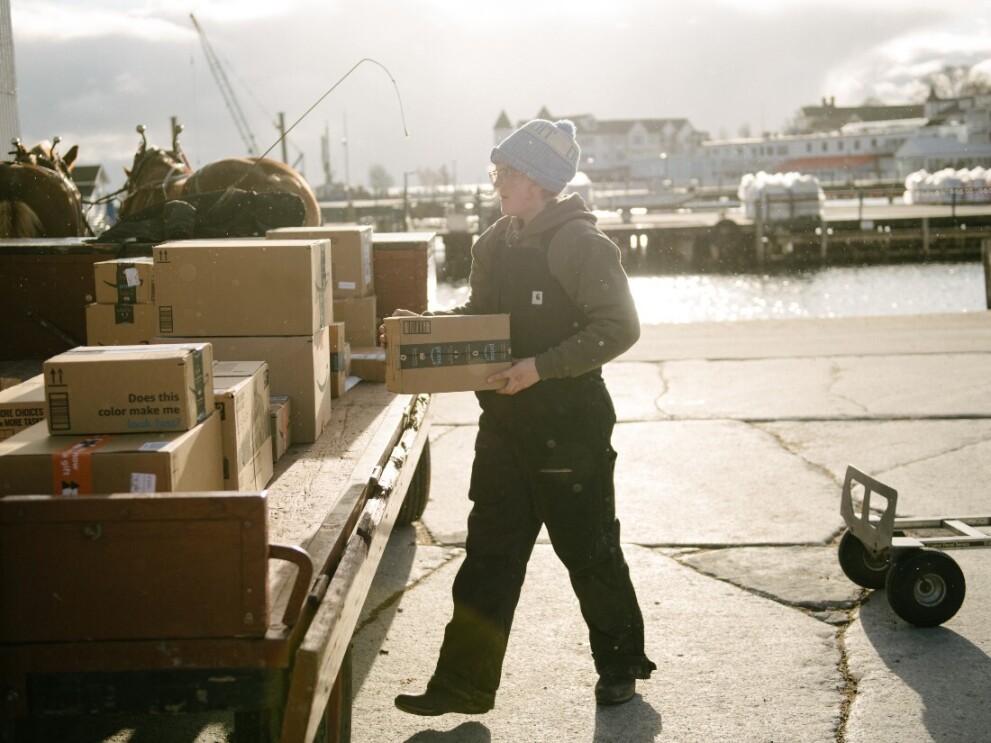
(545, 152)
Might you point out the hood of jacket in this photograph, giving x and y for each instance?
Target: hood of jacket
(555, 214)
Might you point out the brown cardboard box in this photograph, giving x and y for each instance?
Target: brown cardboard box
(243, 286)
(34, 463)
(240, 393)
(129, 389)
(120, 324)
(127, 566)
(448, 353)
(298, 366)
(280, 412)
(368, 363)
(22, 406)
(350, 255)
(404, 270)
(124, 281)
(340, 351)
(360, 318)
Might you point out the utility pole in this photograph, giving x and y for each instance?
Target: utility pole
(282, 137)
(406, 176)
(347, 170)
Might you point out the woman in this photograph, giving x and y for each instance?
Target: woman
(543, 454)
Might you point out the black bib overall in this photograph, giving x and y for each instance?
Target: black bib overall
(542, 456)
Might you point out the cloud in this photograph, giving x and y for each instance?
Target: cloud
(720, 64)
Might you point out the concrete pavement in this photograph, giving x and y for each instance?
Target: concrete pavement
(733, 441)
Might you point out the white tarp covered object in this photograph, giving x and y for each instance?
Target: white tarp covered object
(781, 196)
(948, 186)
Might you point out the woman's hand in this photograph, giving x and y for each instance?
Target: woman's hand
(396, 313)
(519, 376)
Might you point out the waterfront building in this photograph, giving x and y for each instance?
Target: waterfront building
(613, 150)
(838, 145)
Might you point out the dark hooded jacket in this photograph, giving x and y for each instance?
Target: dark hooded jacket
(587, 265)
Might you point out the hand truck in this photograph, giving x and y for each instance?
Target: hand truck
(925, 586)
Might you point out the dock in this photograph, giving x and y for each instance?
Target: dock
(713, 239)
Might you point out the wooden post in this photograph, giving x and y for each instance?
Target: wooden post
(986, 260)
(759, 230)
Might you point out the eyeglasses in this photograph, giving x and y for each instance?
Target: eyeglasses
(500, 173)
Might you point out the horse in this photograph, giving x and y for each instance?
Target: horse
(163, 175)
(155, 175)
(38, 197)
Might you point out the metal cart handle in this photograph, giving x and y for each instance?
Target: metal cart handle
(304, 577)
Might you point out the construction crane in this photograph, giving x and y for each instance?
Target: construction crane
(225, 89)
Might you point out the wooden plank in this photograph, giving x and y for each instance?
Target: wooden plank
(318, 660)
(314, 502)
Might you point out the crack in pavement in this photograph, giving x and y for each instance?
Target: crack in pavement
(665, 388)
(395, 596)
(842, 617)
(930, 457)
(836, 376)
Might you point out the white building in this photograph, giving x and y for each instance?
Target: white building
(614, 150)
(938, 134)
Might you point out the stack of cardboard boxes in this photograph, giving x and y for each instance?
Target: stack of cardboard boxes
(124, 310)
(255, 299)
(120, 419)
(354, 340)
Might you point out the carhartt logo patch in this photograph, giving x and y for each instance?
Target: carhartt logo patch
(537, 298)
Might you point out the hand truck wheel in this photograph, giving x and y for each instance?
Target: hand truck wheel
(925, 587)
(859, 565)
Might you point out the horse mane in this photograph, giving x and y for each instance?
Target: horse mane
(17, 219)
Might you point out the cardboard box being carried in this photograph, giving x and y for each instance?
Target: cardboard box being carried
(34, 463)
(240, 393)
(120, 324)
(22, 405)
(124, 281)
(447, 353)
(350, 255)
(129, 389)
(298, 366)
(243, 286)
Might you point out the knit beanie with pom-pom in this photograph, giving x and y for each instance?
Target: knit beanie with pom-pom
(545, 152)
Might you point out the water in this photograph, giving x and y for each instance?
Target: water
(829, 292)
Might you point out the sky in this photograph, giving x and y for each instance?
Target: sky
(91, 72)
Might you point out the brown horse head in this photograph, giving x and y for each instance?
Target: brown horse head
(260, 175)
(37, 195)
(156, 175)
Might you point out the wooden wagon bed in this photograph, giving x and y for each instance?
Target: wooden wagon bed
(327, 515)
